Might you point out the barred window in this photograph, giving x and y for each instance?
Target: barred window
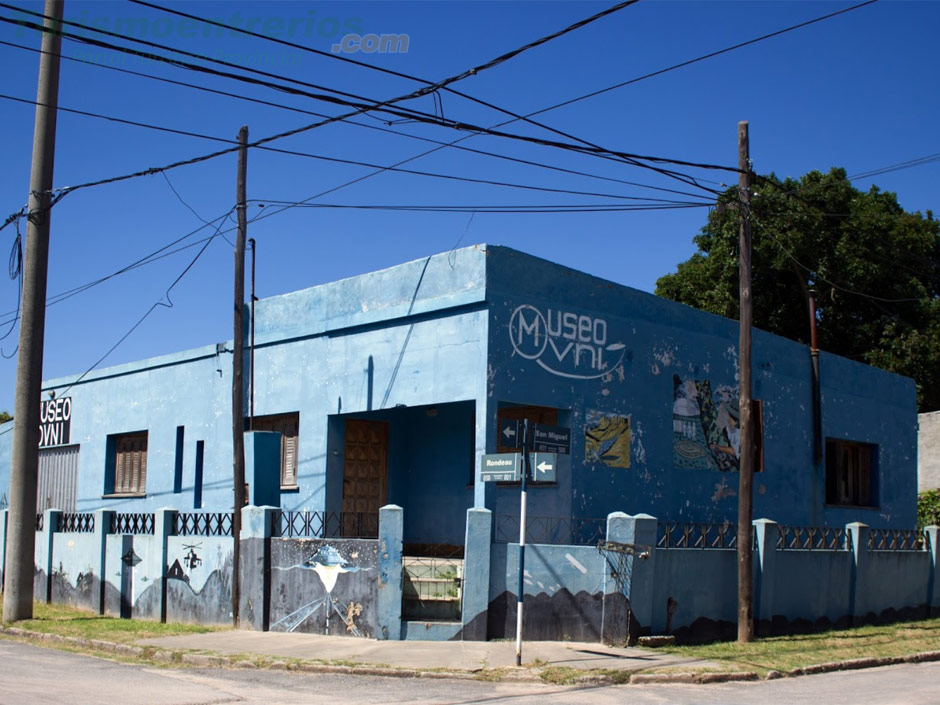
(851, 473)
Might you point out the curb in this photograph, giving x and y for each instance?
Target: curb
(214, 661)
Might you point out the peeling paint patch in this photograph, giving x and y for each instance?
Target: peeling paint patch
(723, 490)
(574, 561)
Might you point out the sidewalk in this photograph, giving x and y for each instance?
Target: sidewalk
(466, 656)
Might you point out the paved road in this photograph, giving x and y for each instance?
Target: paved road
(31, 675)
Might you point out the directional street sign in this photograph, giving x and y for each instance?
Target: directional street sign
(544, 467)
(501, 467)
(552, 439)
(510, 433)
(545, 438)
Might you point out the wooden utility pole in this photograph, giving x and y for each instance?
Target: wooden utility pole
(746, 453)
(238, 363)
(24, 465)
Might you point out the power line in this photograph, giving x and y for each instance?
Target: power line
(337, 160)
(419, 116)
(704, 57)
(282, 106)
(920, 161)
(535, 208)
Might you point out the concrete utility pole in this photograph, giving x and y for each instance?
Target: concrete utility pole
(746, 459)
(21, 521)
(238, 363)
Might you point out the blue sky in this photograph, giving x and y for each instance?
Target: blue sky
(856, 91)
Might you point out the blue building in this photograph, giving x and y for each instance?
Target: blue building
(388, 387)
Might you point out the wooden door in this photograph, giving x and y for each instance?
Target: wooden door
(365, 471)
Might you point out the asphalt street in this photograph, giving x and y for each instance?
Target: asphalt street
(31, 674)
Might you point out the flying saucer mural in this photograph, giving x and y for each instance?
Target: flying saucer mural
(325, 588)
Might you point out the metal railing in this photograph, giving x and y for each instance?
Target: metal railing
(674, 534)
(77, 523)
(132, 523)
(896, 540)
(563, 531)
(812, 538)
(325, 525)
(203, 524)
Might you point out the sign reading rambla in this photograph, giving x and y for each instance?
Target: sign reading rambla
(564, 343)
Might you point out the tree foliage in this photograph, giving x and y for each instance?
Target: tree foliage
(4, 417)
(928, 508)
(875, 268)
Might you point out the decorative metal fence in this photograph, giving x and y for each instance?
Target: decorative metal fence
(812, 538)
(132, 524)
(674, 534)
(203, 524)
(896, 540)
(77, 523)
(326, 525)
(574, 531)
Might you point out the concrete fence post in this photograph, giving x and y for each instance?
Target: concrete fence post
(932, 535)
(858, 587)
(3, 544)
(476, 574)
(628, 579)
(765, 576)
(255, 579)
(164, 526)
(391, 531)
(102, 529)
(44, 550)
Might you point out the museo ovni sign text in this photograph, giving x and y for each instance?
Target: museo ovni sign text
(564, 343)
(55, 422)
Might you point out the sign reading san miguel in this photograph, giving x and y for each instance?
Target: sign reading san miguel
(564, 343)
(55, 422)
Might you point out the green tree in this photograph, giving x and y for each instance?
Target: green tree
(875, 268)
(4, 417)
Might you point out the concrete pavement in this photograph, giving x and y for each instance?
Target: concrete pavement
(467, 656)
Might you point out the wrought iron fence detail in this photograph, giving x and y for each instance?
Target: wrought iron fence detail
(431, 588)
(132, 523)
(323, 525)
(77, 523)
(812, 538)
(203, 524)
(574, 531)
(40, 521)
(674, 534)
(895, 540)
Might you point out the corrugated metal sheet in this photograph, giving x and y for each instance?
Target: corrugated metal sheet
(58, 478)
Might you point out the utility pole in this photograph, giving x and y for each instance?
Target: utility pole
(21, 522)
(238, 363)
(746, 452)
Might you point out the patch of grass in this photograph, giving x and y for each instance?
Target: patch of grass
(560, 675)
(788, 652)
(71, 621)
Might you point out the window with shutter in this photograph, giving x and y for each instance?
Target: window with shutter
(130, 463)
(288, 425)
(851, 473)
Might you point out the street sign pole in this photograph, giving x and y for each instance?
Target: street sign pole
(526, 468)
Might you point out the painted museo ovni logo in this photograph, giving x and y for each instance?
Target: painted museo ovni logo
(564, 343)
(55, 422)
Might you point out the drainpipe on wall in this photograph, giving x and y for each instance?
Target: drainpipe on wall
(814, 356)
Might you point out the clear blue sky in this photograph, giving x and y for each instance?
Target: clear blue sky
(857, 91)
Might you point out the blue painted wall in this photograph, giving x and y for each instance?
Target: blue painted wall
(439, 333)
(646, 342)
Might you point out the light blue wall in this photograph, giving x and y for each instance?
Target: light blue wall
(661, 339)
(437, 330)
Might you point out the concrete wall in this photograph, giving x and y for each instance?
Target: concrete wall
(656, 356)
(928, 451)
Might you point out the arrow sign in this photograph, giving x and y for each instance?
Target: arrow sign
(510, 435)
(545, 467)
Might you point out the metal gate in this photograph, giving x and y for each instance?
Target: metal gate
(58, 478)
